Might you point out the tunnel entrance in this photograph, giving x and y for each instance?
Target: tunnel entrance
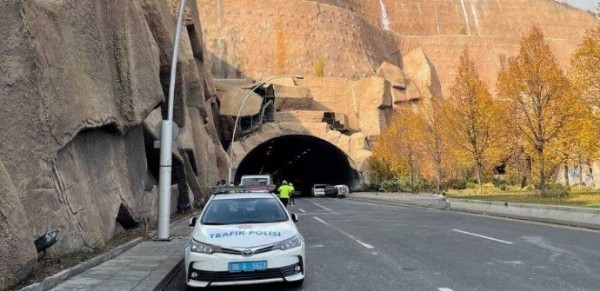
(301, 159)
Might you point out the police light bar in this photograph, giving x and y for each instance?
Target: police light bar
(238, 189)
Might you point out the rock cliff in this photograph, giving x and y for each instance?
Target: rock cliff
(351, 38)
(78, 81)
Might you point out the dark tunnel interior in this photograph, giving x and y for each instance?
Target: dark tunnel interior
(301, 159)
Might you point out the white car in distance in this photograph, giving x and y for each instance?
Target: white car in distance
(244, 238)
(318, 190)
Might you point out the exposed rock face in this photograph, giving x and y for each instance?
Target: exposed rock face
(374, 102)
(351, 38)
(271, 37)
(77, 82)
(15, 236)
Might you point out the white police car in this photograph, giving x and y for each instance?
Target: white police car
(244, 238)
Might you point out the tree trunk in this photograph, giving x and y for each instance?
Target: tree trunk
(567, 174)
(542, 173)
(438, 178)
(479, 179)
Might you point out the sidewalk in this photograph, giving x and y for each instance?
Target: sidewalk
(144, 267)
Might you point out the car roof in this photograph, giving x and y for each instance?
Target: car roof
(320, 185)
(243, 195)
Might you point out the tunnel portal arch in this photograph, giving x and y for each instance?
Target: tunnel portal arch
(302, 159)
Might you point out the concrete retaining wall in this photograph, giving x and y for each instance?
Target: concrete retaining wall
(577, 216)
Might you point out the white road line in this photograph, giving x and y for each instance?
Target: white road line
(483, 236)
(326, 209)
(301, 210)
(368, 246)
(444, 289)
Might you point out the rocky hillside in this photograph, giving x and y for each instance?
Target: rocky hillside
(82, 87)
(351, 38)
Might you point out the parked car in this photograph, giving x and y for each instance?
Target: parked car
(342, 190)
(318, 190)
(324, 190)
(244, 238)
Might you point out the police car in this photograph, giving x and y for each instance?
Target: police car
(244, 237)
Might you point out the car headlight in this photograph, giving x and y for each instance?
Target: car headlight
(198, 247)
(287, 244)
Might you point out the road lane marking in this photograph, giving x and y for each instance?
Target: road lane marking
(445, 289)
(483, 236)
(366, 245)
(326, 209)
(301, 210)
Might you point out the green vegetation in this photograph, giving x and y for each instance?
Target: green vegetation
(579, 199)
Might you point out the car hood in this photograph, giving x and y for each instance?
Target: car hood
(244, 235)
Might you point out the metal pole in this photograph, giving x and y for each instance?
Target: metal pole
(166, 141)
(237, 118)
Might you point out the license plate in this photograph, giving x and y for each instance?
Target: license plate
(247, 266)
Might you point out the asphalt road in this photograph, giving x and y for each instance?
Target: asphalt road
(357, 245)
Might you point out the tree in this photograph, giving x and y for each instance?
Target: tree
(398, 146)
(539, 96)
(433, 139)
(474, 117)
(578, 142)
(585, 63)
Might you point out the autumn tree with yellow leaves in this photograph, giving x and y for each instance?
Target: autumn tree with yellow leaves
(432, 139)
(399, 146)
(473, 116)
(539, 97)
(585, 63)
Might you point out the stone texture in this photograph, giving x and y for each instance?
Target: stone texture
(270, 37)
(349, 38)
(232, 98)
(292, 98)
(396, 77)
(17, 251)
(424, 83)
(299, 116)
(374, 102)
(333, 95)
(77, 81)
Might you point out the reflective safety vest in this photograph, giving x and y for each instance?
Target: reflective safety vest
(285, 191)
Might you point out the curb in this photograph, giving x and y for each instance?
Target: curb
(52, 281)
(169, 277)
(560, 215)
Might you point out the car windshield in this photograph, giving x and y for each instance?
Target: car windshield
(254, 181)
(243, 210)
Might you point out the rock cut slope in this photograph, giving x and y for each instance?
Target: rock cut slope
(351, 38)
(81, 86)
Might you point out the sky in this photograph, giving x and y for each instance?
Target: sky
(583, 4)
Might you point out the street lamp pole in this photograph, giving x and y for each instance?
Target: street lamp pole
(237, 119)
(166, 141)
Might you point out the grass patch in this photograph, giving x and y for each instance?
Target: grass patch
(579, 199)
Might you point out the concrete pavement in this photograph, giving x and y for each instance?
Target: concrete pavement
(355, 245)
(147, 266)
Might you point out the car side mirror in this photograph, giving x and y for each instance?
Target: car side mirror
(193, 221)
(294, 217)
